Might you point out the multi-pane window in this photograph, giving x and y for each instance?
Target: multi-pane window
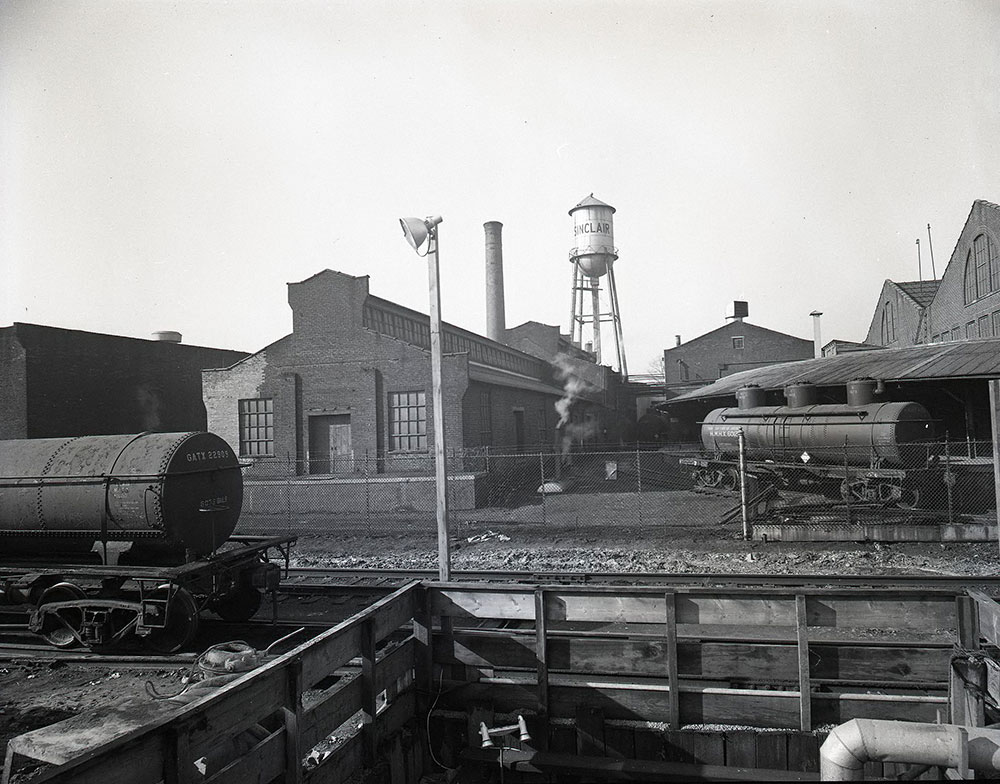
(738, 342)
(257, 427)
(407, 421)
(485, 418)
(983, 324)
(982, 269)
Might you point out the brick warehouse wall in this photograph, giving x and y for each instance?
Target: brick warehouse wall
(907, 314)
(333, 365)
(13, 386)
(76, 383)
(711, 356)
(948, 313)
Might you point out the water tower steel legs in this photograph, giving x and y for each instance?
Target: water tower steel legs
(596, 302)
(617, 319)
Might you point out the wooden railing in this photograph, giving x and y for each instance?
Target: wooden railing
(261, 726)
(598, 659)
(775, 658)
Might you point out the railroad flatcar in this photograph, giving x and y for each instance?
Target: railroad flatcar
(106, 537)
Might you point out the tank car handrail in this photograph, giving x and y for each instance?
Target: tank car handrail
(101, 478)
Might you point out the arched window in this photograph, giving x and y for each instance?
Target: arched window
(982, 269)
(888, 324)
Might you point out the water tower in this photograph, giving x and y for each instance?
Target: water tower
(593, 256)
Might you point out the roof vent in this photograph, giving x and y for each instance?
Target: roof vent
(167, 336)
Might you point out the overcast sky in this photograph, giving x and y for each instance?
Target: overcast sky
(172, 165)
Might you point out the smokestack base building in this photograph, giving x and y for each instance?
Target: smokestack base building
(348, 392)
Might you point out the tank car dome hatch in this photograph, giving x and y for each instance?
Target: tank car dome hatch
(750, 396)
(801, 394)
(862, 391)
(594, 235)
(181, 490)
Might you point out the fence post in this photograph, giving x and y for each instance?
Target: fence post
(638, 479)
(994, 387)
(368, 496)
(541, 468)
(289, 472)
(949, 480)
(847, 482)
(744, 512)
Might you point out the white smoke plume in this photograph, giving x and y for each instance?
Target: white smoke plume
(573, 385)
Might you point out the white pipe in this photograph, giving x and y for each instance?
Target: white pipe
(843, 755)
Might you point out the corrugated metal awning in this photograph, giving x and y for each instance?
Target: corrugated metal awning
(961, 359)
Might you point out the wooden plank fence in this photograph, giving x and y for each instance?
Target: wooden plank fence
(594, 670)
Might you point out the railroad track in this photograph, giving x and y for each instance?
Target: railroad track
(304, 579)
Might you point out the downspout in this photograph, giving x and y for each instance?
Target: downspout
(843, 755)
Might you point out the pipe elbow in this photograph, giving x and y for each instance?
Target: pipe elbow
(837, 756)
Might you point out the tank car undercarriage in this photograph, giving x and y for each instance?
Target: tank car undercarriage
(106, 607)
(850, 484)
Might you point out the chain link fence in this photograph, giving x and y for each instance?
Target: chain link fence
(606, 498)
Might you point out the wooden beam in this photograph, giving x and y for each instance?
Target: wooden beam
(671, 656)
(805, 690)
(542, 667)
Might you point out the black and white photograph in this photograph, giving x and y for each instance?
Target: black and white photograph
(514, 391)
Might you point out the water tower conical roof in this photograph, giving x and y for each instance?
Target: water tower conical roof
(590, 201)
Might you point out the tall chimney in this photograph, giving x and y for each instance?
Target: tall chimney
(817, 340)
(495, 318)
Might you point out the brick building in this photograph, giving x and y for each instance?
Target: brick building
(350, 389)
(962, 305)
(62, 382)
(729, 349)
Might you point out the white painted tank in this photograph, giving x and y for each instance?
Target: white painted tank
(594, 236)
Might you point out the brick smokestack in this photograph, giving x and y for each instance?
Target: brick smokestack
(495, 317)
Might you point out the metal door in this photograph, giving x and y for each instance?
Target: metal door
(330, 449)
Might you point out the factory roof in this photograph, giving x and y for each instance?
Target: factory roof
(960, 359)
(920, 291)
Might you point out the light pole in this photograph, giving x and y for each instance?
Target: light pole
(418, 231)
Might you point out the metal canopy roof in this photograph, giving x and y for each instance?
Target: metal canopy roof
(960, 359)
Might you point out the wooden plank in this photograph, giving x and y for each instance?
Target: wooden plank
(805, 689)
(674, 712)
(741, 748)
(131, 764)
(541, 663)
(292, 716)
(699, 705)
(263, 763)
(338, 704)
(987, 621)
(619, 740)
(575, 767)
(857, 609)
(772, 750)
(335, 647)
(649, 744)
(701, 748)
(743, 662)
(803, 751)
(589, 730)
(368, 690)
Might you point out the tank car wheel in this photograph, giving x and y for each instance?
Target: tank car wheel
(730, 479)
(239, 605)
(909, 498)
(181, 622)
(59, 629)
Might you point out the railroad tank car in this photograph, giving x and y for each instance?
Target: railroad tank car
(176, 492)
(861, 432)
